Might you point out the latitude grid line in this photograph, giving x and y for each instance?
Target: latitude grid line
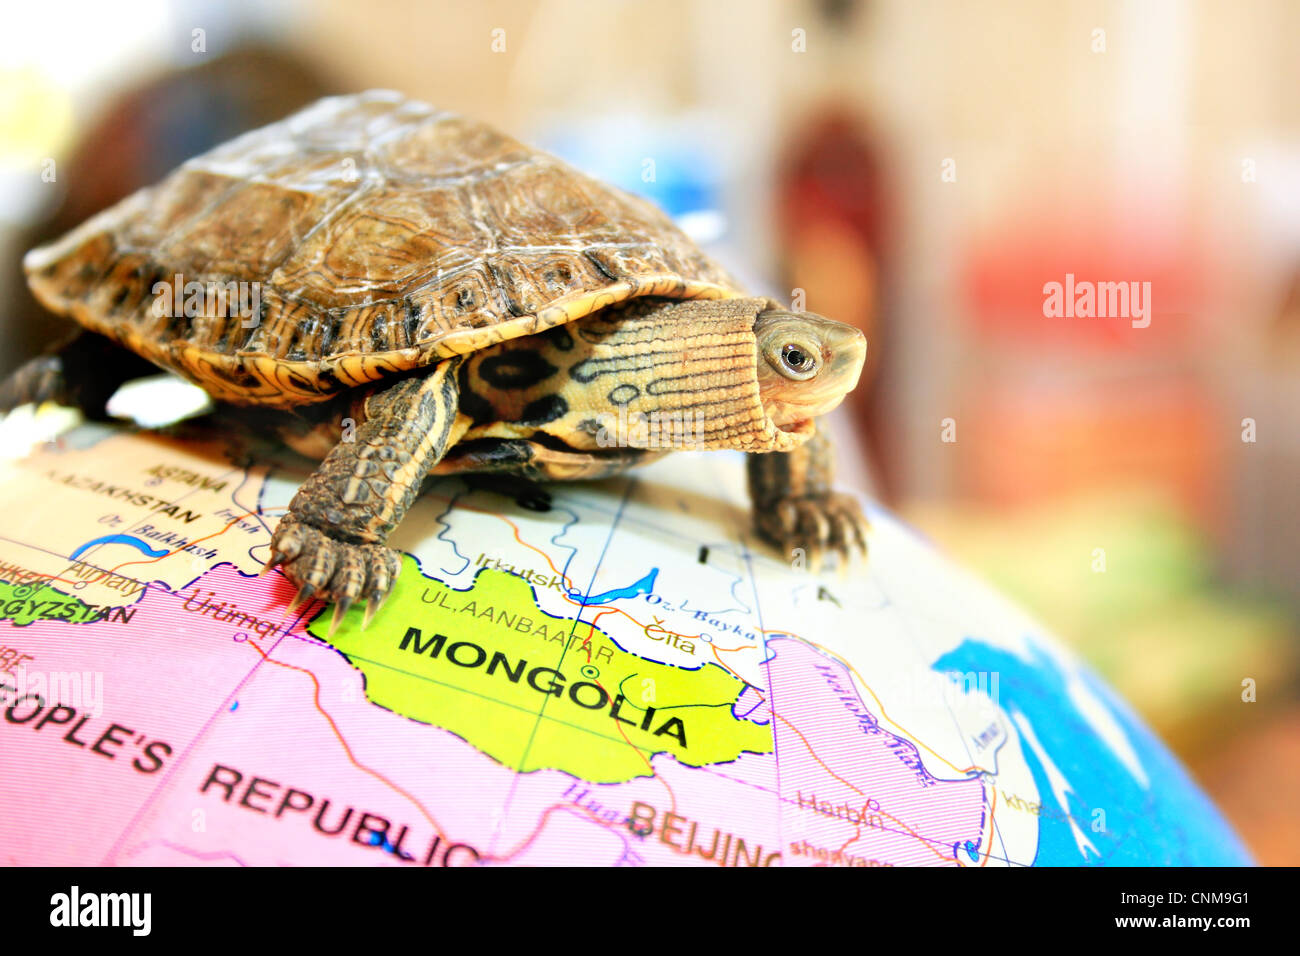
(771, 696)
(961, 735)
(263, 658)
(514, 782)
(767, 665)
(185, 754)
(311, 641)
(707, 768)
(282, 632)
(189, 748)
(747, 555)
(138, 521)
(710, 769)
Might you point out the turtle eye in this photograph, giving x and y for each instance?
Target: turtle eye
(798, 361)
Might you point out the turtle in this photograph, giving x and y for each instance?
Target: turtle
(405, 292)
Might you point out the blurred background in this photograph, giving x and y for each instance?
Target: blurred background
(919, 168)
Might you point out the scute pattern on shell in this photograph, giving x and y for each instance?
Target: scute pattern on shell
(384, 235)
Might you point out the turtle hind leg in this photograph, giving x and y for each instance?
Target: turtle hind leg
(797, 509)
(332, 541)
(36, 381)
(82, 372)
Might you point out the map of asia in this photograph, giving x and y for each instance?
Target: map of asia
(624, 679)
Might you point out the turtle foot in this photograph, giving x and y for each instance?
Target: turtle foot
(808, 528)
(83, 373)
(333, 570)
(37, 381)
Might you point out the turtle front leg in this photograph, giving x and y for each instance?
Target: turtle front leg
(796, 507)
(332, 541)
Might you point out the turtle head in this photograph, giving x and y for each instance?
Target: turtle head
(806, 365)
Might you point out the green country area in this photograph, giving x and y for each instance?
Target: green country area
(537, 691)
(30, 602)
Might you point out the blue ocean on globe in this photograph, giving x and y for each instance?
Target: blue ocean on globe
(1168, 823)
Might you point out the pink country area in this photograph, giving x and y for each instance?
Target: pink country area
(278, 758)
(110, 706)
(852, 792)
(305, 770)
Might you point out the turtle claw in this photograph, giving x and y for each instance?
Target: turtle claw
(304, 595)
(376, 602)
(340, 611)
(816, 526)
(275, 558)
(372, 608)
(336, 571)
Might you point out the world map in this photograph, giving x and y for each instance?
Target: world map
(625, 678)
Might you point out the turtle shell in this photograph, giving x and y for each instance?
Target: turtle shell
(363, 236)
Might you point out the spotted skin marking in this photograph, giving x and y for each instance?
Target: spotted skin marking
(656, 357)
(516, 408)
(622, 394)
(470, 302)
(546, 409)
(515, 368)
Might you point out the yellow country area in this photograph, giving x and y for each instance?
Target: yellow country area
(133, 508)
(537, 691)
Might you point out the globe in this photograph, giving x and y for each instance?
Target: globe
(621, 677)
